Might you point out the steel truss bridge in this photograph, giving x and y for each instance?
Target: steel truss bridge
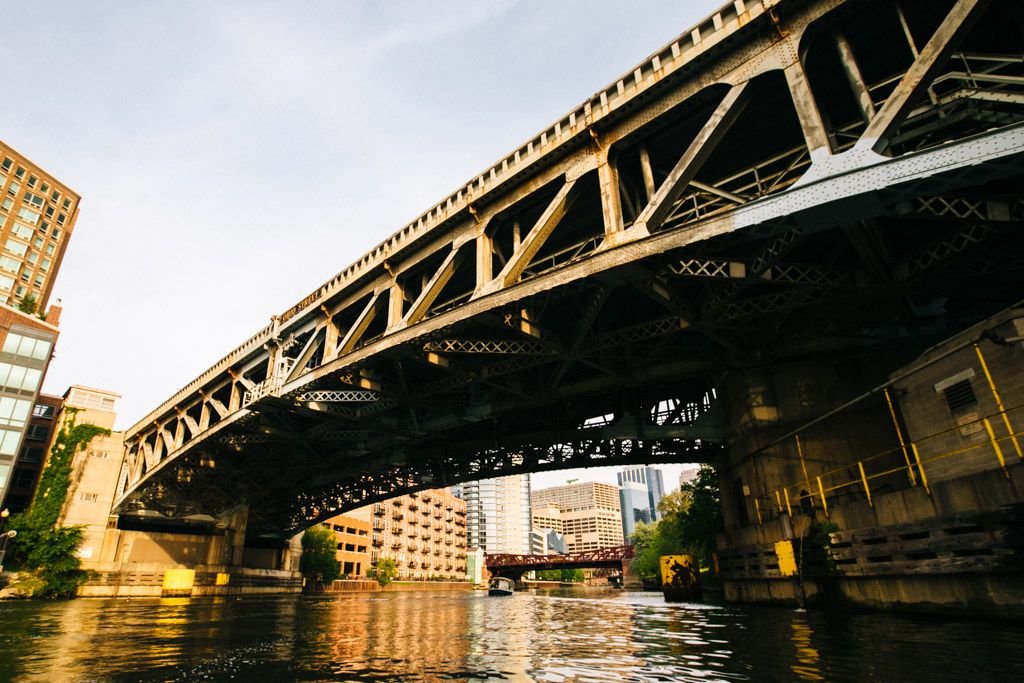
(788, 179)
(514, 566)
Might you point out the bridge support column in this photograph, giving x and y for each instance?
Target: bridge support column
(873, 480)
(630, 581)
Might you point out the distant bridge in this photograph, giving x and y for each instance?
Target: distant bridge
(787, 180)
(514, 566)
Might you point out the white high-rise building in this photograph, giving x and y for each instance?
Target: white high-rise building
(497, 513)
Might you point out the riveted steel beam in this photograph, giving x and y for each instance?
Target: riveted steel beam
(338, 396)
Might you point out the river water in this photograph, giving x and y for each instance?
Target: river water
(570, 635)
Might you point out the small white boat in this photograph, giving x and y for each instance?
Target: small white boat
(499, 585)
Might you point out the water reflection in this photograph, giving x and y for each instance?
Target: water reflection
(434, 636)
(806, 666)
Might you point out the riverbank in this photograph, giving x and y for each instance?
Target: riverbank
(371, 586)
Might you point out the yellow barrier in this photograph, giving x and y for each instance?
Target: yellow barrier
(178, 582)
(680, 577)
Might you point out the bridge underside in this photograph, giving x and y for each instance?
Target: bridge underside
(618, 369)
(717, 225)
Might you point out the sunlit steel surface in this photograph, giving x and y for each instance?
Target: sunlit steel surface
(790, 178)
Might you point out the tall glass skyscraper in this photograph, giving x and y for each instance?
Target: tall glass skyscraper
(641, 489)
(497, 513)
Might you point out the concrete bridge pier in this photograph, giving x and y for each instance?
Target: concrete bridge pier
(195, 555)
(883, 478)
(630, 581)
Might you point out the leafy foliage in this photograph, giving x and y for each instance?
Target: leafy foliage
(319, 562)
(42, 547)
(385, 571)
(28, 304)
(573, 575)
(691, 519)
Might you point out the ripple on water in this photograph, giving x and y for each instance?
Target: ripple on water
(560, 637)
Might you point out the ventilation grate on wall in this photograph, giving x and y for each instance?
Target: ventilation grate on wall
(960, 395)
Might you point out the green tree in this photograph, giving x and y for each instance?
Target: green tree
(319, 562)
(28, 304)
(42, 547)
(691, 519)
(702, 522)
(385, 571)
(646, 542)
(566, 575)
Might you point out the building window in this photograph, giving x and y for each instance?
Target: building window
(23, 479)
(6, 283)
(7, 164)
(28, 215)
(38, 432)
(14, 411)
(43, 410)
(26, 347)
(89, 497)
(9, 264)
(31, 455)
(13, 188)
(9, 441)
(15, 247)
(22, 231)
(19, 378)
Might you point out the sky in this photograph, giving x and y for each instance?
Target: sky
(232, 156)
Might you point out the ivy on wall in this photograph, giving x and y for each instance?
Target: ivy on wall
(41, 546)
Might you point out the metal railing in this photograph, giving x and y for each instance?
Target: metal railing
(999, 442)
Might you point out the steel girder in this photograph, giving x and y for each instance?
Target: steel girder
(546, 244)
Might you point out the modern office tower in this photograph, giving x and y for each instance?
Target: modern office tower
(94, 470)
(635, 504)
(37, 216)
(589, 511)
(26, 343)
(651, 479)
(424, 532)
(498, 513)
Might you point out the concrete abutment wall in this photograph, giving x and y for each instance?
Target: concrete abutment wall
(910, 496)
